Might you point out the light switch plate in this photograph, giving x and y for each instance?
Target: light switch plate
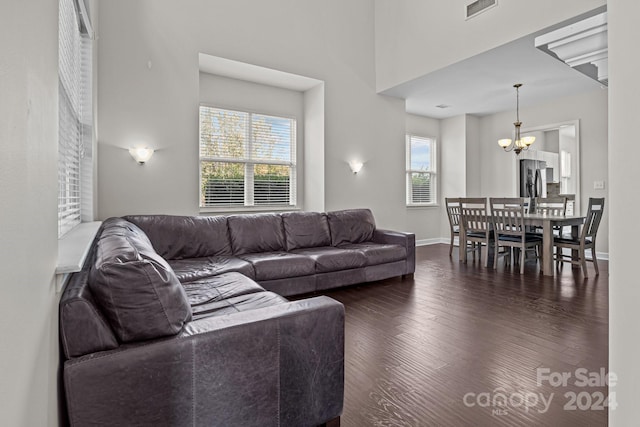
(598, 185)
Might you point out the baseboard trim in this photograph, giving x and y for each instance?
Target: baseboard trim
(435, 241)
(604, 256)
(446, 240)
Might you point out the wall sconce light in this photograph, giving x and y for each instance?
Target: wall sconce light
(141, 155)
(355, 166)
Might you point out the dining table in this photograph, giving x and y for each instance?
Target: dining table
(547, 222)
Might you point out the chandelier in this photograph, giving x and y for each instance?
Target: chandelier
(520, 143)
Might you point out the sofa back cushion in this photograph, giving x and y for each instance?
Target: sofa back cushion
(306, 230)
(256, 233)
(134, 286)
(184, 237)
(351, 226)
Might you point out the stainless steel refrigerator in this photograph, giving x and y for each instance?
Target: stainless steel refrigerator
(533, 180)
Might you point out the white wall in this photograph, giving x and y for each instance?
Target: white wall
(498, 172)
(331, 41)
(552, 141)
(416, 37)
(473, 148)
(223, 92)
(424, 221)
(28, 217)
(453, 163)
(623, 203)
(460, 162)
(314, 169)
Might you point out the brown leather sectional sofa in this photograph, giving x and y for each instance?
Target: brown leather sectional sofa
(181, 320)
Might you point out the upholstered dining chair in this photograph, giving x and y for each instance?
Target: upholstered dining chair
(586, 240)
(474, 218)
(509, 230)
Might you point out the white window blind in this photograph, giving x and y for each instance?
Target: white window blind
(75, 115)
(246, 159)
(421, 170)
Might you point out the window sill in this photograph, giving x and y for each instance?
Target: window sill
(249, 209)
(73, 249)
(429, 206)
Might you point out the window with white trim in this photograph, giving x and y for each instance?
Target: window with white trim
(246, 159)
(75, 110)
(421, 170)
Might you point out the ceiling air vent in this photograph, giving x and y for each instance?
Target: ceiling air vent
(479, 6)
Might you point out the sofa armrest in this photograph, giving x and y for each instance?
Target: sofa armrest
(407, 240)
(281, 365)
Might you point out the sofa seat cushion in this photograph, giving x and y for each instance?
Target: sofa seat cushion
(279, 265)
(218, 288)
(334, 259)
(378, 253)
(188, 270)
(237, 304)
(306, 230)
(134, 286)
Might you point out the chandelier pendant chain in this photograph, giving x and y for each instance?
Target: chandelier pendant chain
(518, 123)
(517, 86)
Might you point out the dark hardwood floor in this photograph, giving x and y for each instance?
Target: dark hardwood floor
(448, 346)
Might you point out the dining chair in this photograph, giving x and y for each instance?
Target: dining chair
(571, 204)
(453, 212)
(586, 240)
(550, 205)
(507, 215)
(474, 218)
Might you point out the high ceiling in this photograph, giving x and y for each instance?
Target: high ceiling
(483, 84)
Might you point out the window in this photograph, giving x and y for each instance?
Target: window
(421, 170)
(246, 159)
(75, 127)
